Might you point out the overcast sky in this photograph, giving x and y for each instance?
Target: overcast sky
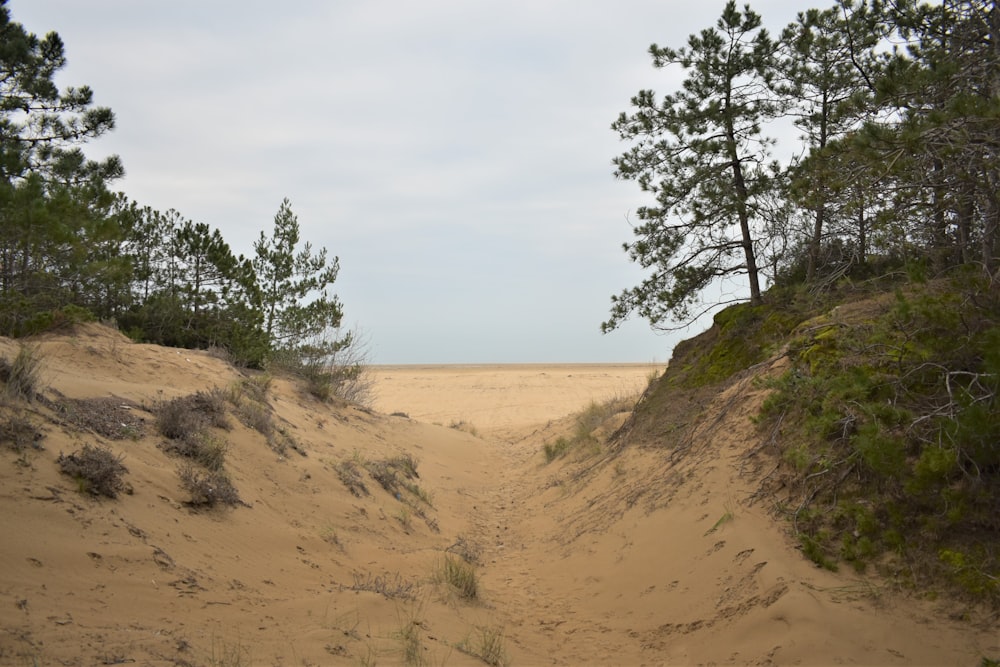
(455, 155)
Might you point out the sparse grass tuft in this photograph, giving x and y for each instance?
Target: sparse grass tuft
(249, 400)
(460, 576)
(349, 475)
(556, 449)
(390, 473)
(405, 517)
(410, 636)
(229, 655)
(97, 470)
(489, 644)
(726, 517)
(587, 421)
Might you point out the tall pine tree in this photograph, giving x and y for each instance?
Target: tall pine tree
(701, 153)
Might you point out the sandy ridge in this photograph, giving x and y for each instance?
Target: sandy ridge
(645, 555)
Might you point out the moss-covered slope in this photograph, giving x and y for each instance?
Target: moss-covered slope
(884, 427)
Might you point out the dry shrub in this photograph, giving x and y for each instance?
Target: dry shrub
(19, 433)
(208, 488)
(97, 470)
(333, 364)
(186, 416)
(469, 551)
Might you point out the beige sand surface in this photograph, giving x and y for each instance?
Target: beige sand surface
(647, 556)
(505, 396)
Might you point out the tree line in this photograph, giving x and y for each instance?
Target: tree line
(71, 248)
(897, 109)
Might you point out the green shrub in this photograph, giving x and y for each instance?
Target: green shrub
(814, 549)
(898, 410)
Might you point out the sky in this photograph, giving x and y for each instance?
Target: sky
(454, 155)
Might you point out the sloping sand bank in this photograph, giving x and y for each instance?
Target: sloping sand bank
(645, 556)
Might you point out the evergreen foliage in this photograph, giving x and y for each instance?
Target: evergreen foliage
(294, 284)
(701, 153)
(896, 166)
(72, 250)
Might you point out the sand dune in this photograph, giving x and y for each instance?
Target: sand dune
(643, 556)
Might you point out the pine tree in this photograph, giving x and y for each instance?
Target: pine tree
(701, 153)
(827, 64)
(56, 240)
(294, 285)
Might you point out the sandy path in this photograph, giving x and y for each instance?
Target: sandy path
(510, 397)
(645, 556)
(654, 558)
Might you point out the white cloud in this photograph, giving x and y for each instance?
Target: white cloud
(455, 155)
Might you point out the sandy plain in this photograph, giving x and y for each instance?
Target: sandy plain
(503, 396)
(646, 555)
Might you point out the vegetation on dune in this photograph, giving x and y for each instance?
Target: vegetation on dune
(896, 104)
(97, 471)
(884, 425)
(582, 441)
(890, 425)
(887, 420)
(72, 250)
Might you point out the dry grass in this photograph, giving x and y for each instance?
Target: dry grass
(109, 417)
(22, 376)
(392, 586)
(489, 644)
